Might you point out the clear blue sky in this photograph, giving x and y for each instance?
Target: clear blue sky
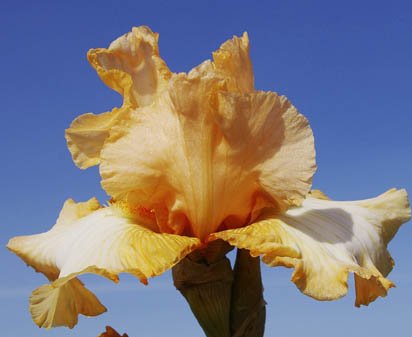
(346, 65)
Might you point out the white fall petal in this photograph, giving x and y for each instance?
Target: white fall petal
(106, 241)
(324, 240)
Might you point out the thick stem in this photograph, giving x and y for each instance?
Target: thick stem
(226, 303)
(248, 312)
(205, 280)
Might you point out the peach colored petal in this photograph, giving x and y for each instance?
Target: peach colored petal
(132, 66)
(214, 157)
(87, 134)
(201, 150)
(233, 61)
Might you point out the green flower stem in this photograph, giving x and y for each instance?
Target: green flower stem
(248, 312)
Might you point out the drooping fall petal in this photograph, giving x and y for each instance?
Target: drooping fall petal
(60, 303)
(106, 241)
(324, 240)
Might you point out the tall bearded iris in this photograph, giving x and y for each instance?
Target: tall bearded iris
(190, 158)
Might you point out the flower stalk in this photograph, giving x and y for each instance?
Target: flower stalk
(226, 302)
(248, 311)
(205, 280)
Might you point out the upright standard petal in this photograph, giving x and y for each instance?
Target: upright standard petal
(324, 240)
(233, 61)
(106, 241)
(131, 66)
(215, 160)
(221, 153)
(87, 134)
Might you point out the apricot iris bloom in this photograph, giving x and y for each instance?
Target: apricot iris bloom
(194, 157)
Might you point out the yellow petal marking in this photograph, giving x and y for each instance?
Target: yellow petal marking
(324, 240)
(103, 242)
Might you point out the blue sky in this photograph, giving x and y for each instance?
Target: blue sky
(346, 65)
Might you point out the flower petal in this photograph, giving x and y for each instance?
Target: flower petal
(324, 240)
(255, 150)
(232, 60)
(87, 134)
(52, 305)
(268, 136)
(106, 242)
(132, 66)
(255, 139)
(73, 211)
(163, 165)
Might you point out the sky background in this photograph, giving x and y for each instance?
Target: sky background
(346, 65)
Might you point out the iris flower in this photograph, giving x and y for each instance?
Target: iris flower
(190, 158)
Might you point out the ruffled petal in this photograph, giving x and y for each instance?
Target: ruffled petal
(59, 304)
(267, 136)
(162, 165)
(325, 240)
(214, 159)
(87, 134)
(233, 61)
(196, 140)
(132, 66)
(106, 241)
